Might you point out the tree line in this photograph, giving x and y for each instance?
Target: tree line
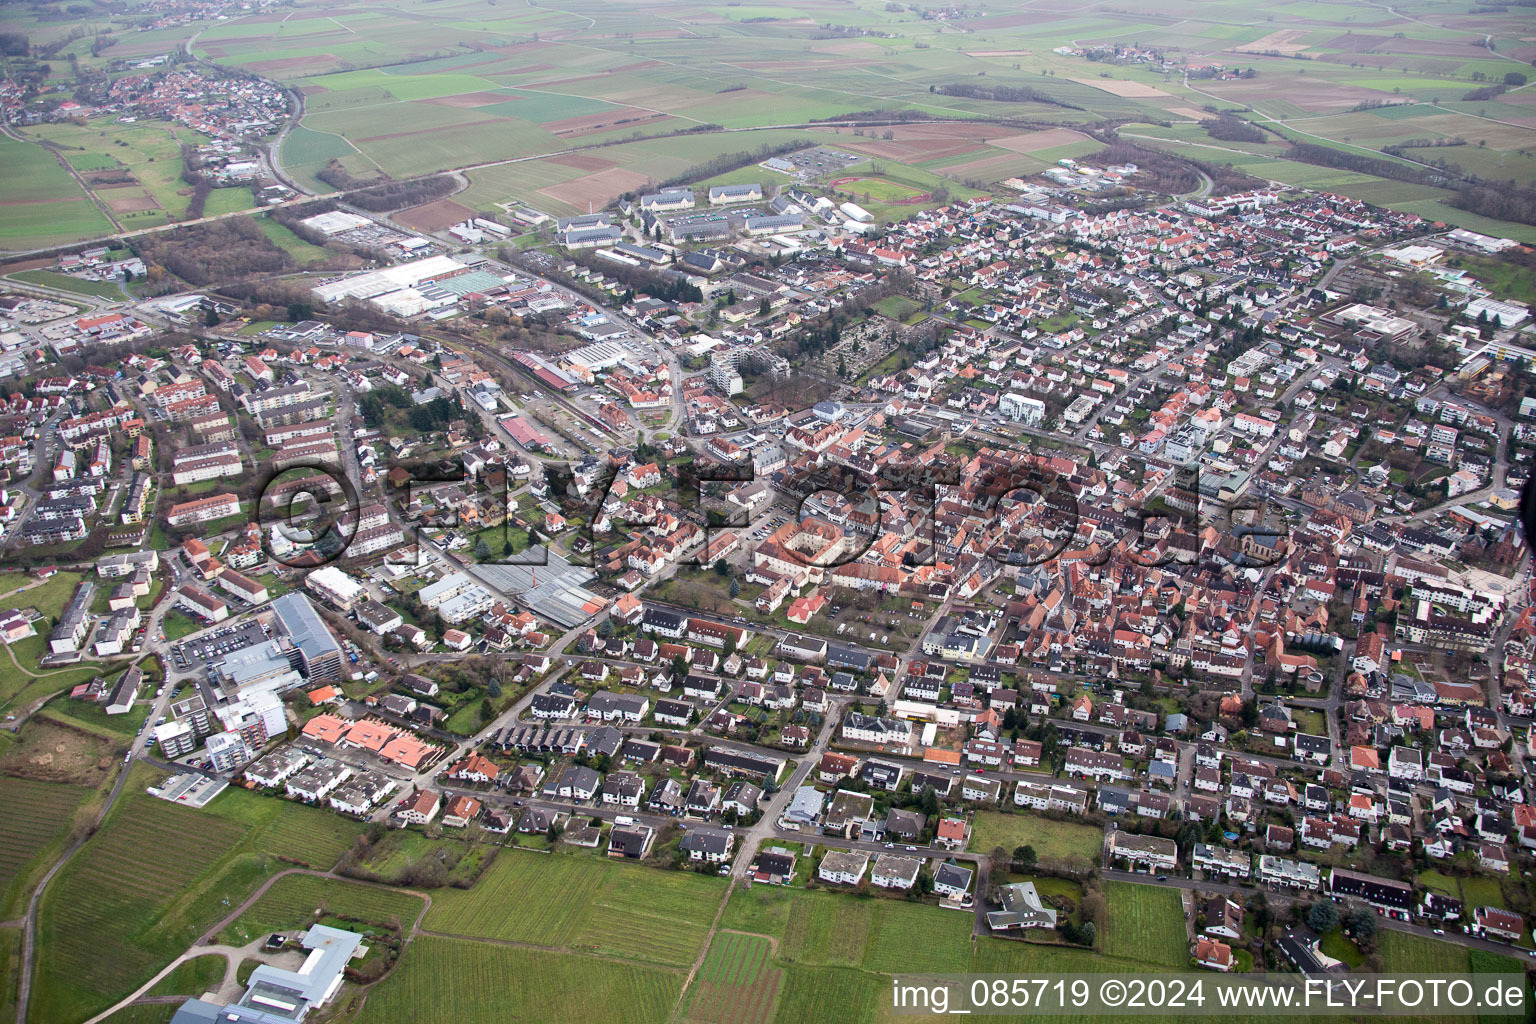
(1000, 94)
(396, 195)
(1233, 129)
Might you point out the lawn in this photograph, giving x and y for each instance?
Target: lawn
(897, 307)
(293, 900)
(93, 717)
(1506, 279)
(130, 900)
(144, 1013)
(65, 283)
(1405, 953)
(1146, 922)
(585, 904)
(466, 720)
(49, 597)
(1336, 945)
(1060, 840)
(192, 977)
(301, 251)
(178, 624)
(441, 979)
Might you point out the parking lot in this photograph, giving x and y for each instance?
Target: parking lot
(213, 646)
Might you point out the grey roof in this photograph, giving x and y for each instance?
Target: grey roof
(804, 806)
(272, 989)
(782, 220)
(706, 840)
(305, 627)
(953, 876)
(605, 739)
(195, 1011)
(553, 589)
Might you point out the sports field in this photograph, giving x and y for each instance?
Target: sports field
(882, 189)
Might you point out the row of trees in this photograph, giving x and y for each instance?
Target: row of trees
(396, 195)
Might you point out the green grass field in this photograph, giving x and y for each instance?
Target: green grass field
(879, 189)
(42, 203)
(452, 979)
(589, 905)
(143, 1013)
(293, 900)
(49, 596)
(129, 900)
(390, 858)
(93, 718)
(1413, 954)
(835, 950)
(1051, 839)
(192, 977)
(303, 252)
(65, 283)
(1145, 922)
(410, 92)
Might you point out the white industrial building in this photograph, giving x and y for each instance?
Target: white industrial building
(404, 290)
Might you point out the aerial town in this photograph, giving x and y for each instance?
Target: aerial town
(1117, 569)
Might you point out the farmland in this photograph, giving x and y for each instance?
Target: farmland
(735, 983)
(760, 71)
(118, 910)
(1062, 840)
(1405, 953)
(593, 906)
(292, 900)
(400, 92)
(479, 981)
(10, 950)
(1146, 922)
(833, 951)
(40, 201)
(37, 815)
